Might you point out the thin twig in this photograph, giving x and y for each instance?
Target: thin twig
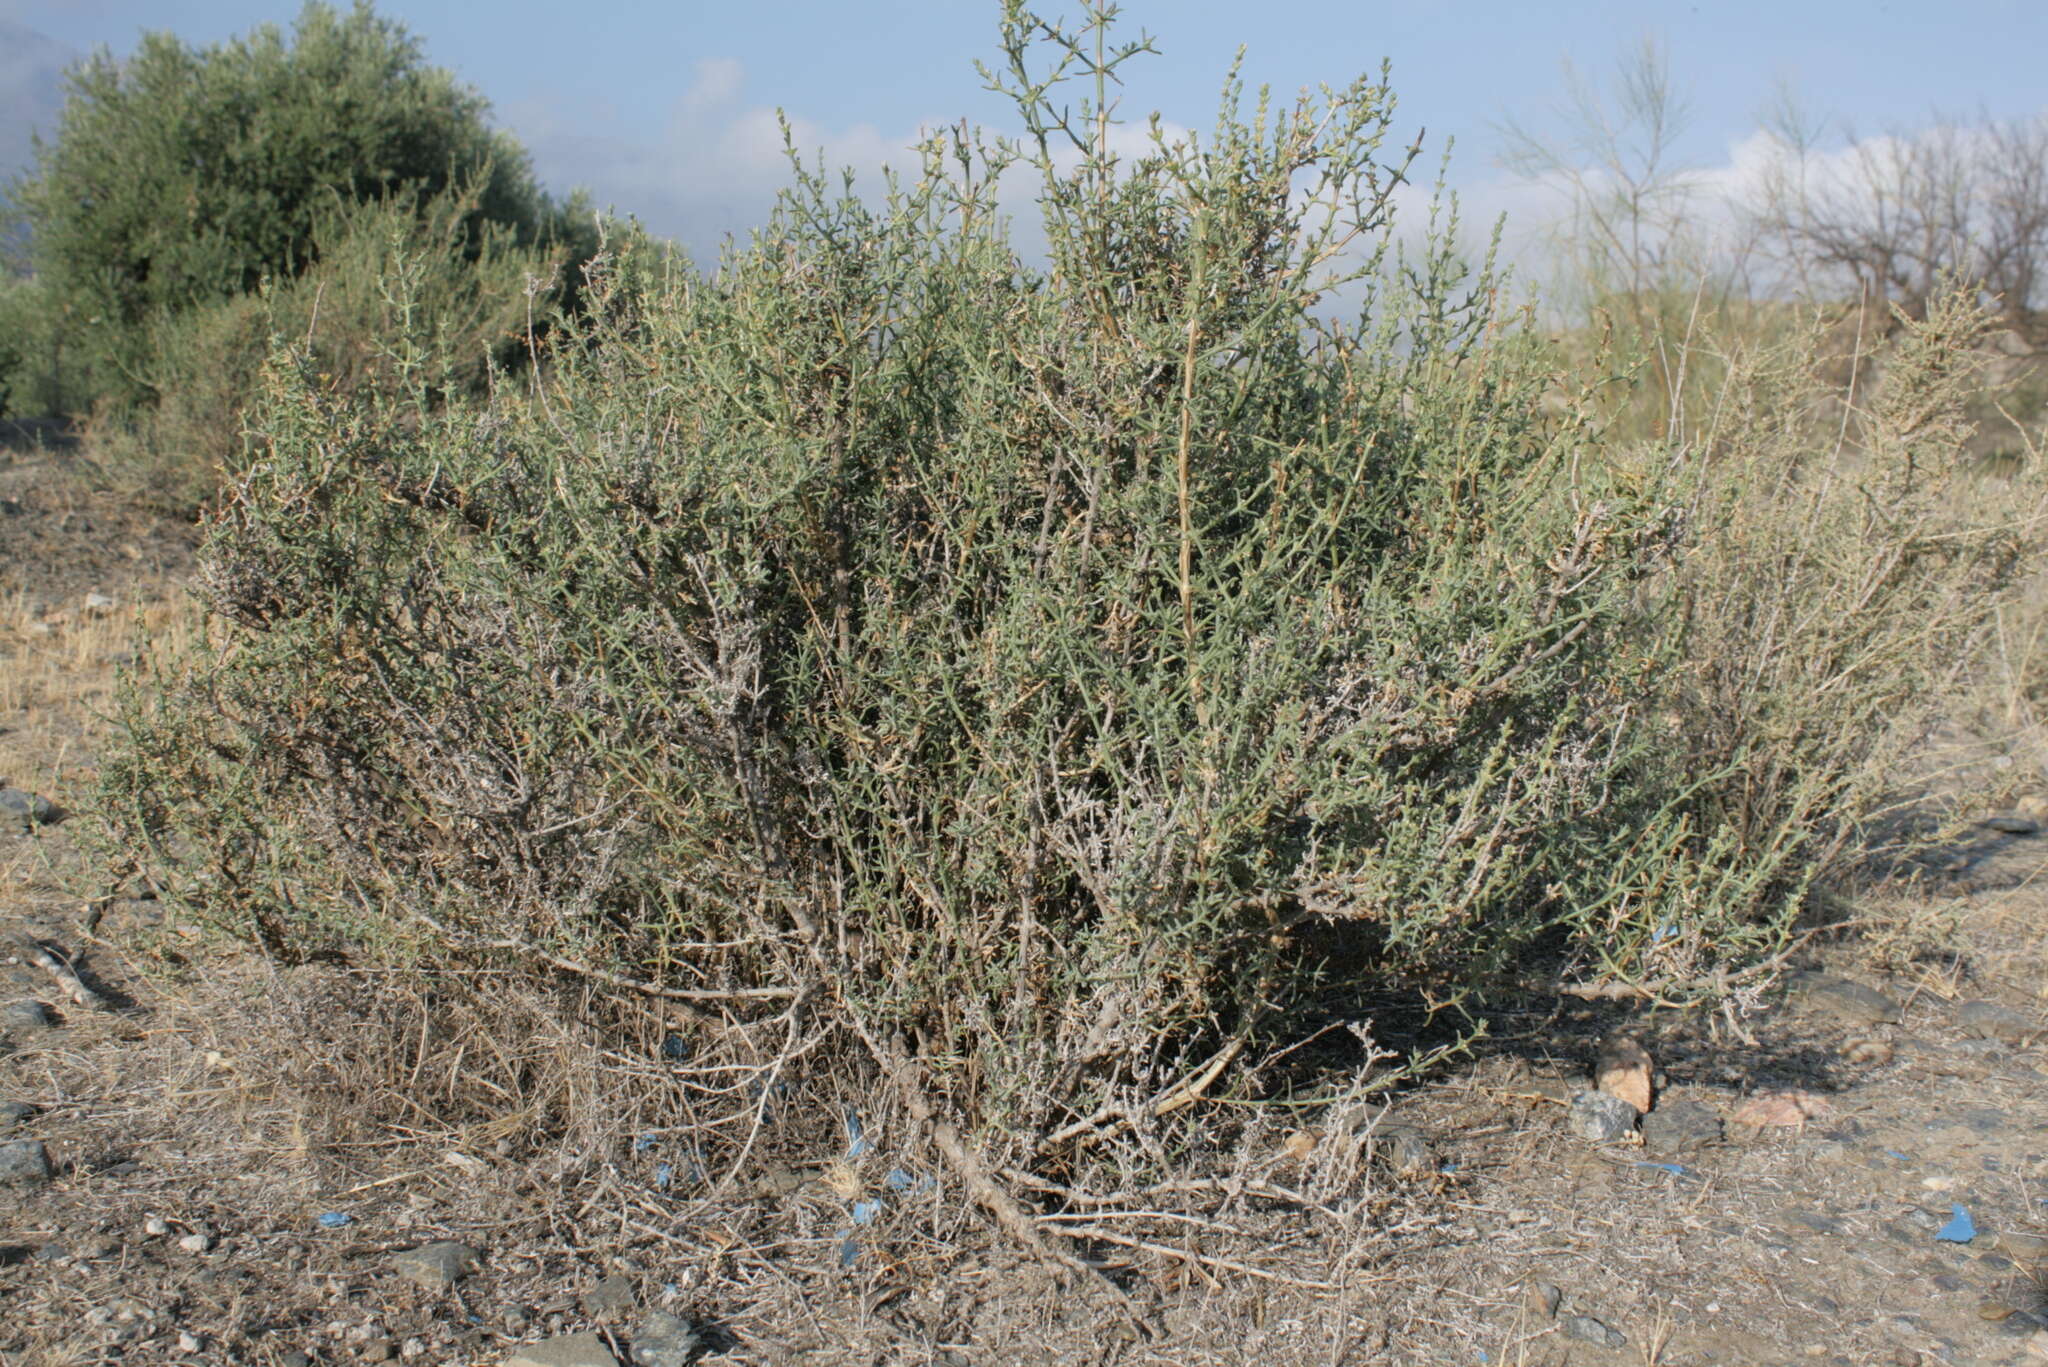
(67, 978)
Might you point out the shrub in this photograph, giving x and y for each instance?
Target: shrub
(407, 295)
(1044, 687)
(181, 178)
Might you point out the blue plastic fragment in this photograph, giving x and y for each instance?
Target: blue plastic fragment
(663, 1175)
(849, 1251)
(333, 1219)
(856, 1141)
(900, 1180)
(864, 1212)
(1896, 1154)
(1675, 1169)
(1960, 1228)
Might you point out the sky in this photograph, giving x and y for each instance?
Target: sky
(667, 110)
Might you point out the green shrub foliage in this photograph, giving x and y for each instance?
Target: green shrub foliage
(182, 177)
(408, 297)
(1033, 679)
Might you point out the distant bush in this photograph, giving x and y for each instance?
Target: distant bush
(407, 298)
(181, 178)
(1044, 687)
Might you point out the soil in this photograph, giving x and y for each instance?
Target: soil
(192, 1216)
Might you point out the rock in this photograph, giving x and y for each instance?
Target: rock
(24, 1163)
(614, 1295)
(1681, 1127)
(14, 1113)
(1598, 1117)
(1989, 1020)
(27, 1015)
(1586, 1329)
(664, 1340)
(1405, 1150)
(295, 1358)
(1624, 1071)
(1846, 999)
(189, 1342)
(570, 1350)
(2011, 823)
(2022, 1248)
(196, 1243)
(1542, 1299)
(436, 1265)
(1789, 1108)
(26, 809)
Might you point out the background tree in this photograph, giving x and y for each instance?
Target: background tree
(1639, 244)
(1888, 217)
(183, 176)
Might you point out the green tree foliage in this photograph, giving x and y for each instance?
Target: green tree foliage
(183, 176)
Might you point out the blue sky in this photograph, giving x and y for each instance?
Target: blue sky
(666, 109)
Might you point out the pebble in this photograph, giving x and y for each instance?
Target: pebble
(156, 1226)
(615, 1295)
(1989, 1020)
(1845, 998)
(570, 1350)
(2011, 823)
(436, 1264)
(27, 1015)
(664, 1340)
(1598, 1117)
(26, 809)
(1543, 1298)
(24, 1163)
(295, 1358)
(1406, 1151)
(13, 1113)
(1585, 1329)
(1681, 1127)
(196, 1243)
(189, 1342)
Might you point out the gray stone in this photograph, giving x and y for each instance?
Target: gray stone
(26, 809)
(2011, 823)
(1405, 1150)
(1600, 1117)
(435, 1265)
(1543, 1298)
(570, 1350)
(1681, 1127)
(29, 1015)
(13, 1114)
(295, 1358)
(1845, 999)
(664, 1340)
(614, 1295)
(1586, 1329)
(24, 1163)
(1989, 1020)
